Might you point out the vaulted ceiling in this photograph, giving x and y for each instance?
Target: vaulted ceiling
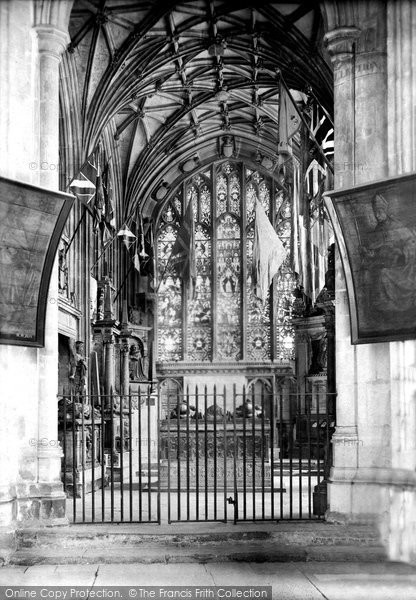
(174, 78)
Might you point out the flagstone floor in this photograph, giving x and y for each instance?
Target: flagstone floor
(289, 581)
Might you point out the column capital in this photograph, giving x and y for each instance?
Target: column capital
(125, 348)
(109, 337)
(51, 40)
(339, 42)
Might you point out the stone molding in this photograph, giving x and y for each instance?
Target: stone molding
(165, 369)
(7, 493)
(340, 43)
(351, 519)
(373, 476)
(53, 12)
(345, 431)
(51, 41)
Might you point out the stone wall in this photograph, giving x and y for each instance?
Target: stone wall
(30, 49)
(399, 519)
(373, 478)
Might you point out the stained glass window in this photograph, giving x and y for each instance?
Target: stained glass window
(199, 326)
(284, 283)
(224, 320)
(228, 269)
(170, 290)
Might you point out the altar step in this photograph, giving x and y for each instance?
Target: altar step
(198, 543)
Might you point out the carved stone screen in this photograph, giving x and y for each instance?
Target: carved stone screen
(31, 223)
(224, 321)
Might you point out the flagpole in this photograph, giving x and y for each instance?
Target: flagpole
(76, 230)
(104, 251)
(123, 283)
(328, 116)
(328, 163)
(164, 272)
(108, 245)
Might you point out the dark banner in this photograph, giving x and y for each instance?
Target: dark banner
(31, 224)
(375, 226)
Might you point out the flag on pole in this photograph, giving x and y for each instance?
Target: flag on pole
(300, 231)
(289, 121)
(98, 204)
(136, 250)
(145, 250)
(149, 249)
(294, 236)
(109, 212)
(141, 245)
(183, 251)
(106, 235)
(316, 178)
(268, 253)
(126, 236)
(323, 131)
(83, 186)
(136, 260)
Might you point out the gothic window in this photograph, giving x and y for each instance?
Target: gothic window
(170, 290)
(224, 320)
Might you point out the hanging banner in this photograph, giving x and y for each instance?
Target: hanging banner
(31, 224)
(375, 227)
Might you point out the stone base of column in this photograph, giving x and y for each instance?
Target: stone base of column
(29, 505)
(7, 505)
(7, 522)
(40, 505)
(384, 497)
(8, 544)
(398, 526)
(42, 502)
(356, 493)
(363, 494)
(39, 498)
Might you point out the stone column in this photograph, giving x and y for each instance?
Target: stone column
(18, 156)
(362, 441)
(109, 377)
(400, 521)
(51, 43)
(329, 311)
(125, 366)
(341, 44)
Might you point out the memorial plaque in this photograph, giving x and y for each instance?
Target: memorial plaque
(31, 224)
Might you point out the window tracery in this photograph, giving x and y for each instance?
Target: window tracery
(224, 320)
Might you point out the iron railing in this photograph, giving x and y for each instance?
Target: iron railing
(201, 456)
(110, 457)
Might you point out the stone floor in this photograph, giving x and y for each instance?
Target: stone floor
(289, 581)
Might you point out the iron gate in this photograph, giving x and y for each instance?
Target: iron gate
(201, 456)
